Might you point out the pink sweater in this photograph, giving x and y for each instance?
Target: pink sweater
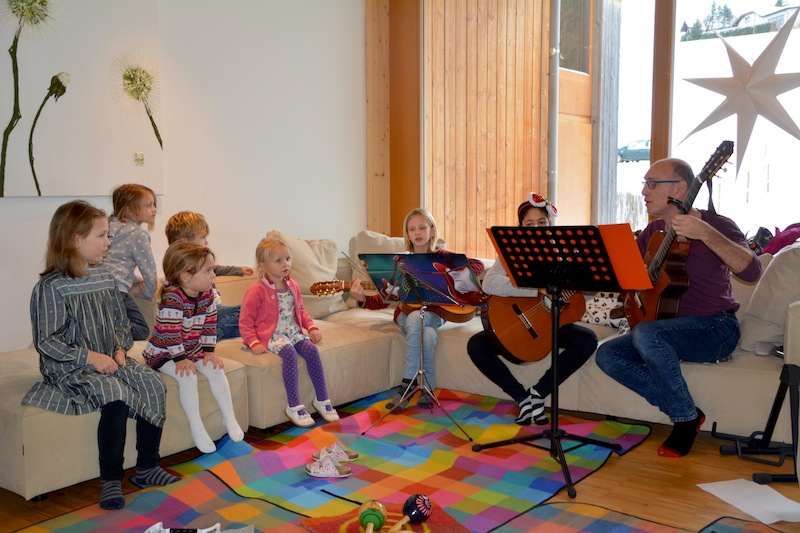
(258, 316)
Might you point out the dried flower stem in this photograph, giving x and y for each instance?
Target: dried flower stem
(15, 115)
(58, 86)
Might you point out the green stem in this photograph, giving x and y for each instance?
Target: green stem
(153, 122)
(30, 141)
(15, 115)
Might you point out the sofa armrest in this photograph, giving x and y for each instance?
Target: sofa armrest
(791, 336)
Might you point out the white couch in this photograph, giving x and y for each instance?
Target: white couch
(362, 353)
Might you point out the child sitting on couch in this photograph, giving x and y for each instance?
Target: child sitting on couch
(273, 319)
(192, 227)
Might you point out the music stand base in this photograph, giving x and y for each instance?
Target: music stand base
(556, 450)
(419, 383)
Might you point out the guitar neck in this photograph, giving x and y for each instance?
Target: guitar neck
(712, 166)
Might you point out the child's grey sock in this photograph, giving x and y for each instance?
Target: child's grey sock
(152, 476)
(111, 495)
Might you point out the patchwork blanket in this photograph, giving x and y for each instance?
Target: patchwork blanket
(265, 484)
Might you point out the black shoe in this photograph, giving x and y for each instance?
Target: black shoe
(398, 395)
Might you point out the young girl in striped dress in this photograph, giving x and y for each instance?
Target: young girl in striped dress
(185, 334)
(80, 330)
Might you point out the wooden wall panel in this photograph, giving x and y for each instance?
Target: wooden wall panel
(480, 121)
(575, 148)
(484, 154)
(378, 124)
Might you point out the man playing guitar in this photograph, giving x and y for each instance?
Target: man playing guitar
(705, 328)
(576, 342)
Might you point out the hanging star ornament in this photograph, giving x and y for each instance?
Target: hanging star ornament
(752, 91)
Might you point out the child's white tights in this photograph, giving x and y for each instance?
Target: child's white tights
(190, 400)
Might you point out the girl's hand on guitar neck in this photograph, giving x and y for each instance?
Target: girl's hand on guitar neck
(357, 290)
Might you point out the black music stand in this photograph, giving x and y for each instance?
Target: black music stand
(590, 258)
(422, 280)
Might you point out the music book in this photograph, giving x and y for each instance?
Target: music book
(434, 278)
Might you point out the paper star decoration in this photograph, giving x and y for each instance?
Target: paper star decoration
(752, 91)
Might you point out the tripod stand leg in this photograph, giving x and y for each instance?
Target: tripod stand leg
(419, 383)
(558, 454)
(411, 389)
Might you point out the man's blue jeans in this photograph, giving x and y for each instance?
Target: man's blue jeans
(410, 324)
(647, 360)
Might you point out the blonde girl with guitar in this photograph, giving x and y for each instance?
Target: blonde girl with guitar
(704, 328)
(577, 343)
(419, 231)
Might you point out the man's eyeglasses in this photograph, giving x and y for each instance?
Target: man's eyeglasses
(652, 184)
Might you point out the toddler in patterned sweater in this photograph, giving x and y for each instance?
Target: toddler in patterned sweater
(185, 335)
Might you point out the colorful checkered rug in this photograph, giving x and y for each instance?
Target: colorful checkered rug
(416, 451)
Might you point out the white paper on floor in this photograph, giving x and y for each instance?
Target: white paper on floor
(762, 502)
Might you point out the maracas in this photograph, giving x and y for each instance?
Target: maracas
(416, 510)
(372, 515)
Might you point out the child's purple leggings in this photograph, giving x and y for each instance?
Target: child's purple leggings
(309, 352)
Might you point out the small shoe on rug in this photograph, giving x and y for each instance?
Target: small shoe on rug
(299, 416)
(151, 477)
(532, 409)
(425, 401)
(681, 438)
(338, 452)
(398, 395)
(327, 466)
(325, 410)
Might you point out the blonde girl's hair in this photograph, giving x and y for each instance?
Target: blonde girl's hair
(127, 200)
(71, 220)
(185, 225)
(180, 257)
(265, 246)
(424, 213)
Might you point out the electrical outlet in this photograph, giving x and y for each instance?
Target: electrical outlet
(138, 159)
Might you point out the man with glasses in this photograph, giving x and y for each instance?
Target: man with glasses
(705, 329)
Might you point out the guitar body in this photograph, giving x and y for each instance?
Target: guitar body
(663, 299)
(451, 313)
(504, 325)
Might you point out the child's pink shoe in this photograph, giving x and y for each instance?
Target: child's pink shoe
(327, 466)
(338, 452)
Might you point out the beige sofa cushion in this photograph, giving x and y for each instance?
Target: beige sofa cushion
(357, 361)
(765, 315)
(313, 261)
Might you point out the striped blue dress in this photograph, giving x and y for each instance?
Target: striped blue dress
(72, 316)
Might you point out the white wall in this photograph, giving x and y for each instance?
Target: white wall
(263, 120)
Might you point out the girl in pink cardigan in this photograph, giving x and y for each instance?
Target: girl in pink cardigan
(272, 319)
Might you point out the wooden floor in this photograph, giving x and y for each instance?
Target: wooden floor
(639, 483)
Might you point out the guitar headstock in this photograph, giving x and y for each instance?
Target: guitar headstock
(327, 288)
(720, 156)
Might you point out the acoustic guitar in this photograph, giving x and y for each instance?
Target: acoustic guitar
(666, 258)
(522, 327)
(451, 313)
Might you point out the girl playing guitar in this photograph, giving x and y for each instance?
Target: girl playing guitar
(576, 342)
(419, 230)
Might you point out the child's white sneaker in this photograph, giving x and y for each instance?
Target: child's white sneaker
(299, 416)
(325, 410)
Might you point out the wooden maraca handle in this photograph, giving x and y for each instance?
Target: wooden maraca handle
(399, 525)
